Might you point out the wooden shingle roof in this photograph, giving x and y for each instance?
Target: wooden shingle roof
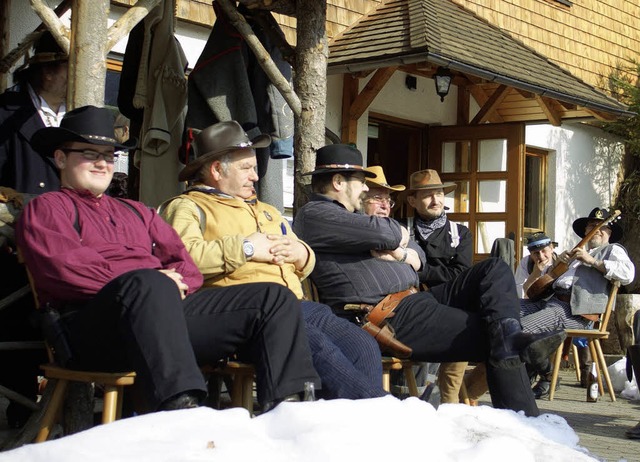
(420, 35)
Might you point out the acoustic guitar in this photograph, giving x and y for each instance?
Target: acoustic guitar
(543, 286)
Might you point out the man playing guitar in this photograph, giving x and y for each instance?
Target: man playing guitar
(578, 281)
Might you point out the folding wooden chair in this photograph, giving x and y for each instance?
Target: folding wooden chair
(593, 337)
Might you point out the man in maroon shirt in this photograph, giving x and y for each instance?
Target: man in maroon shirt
(126, 287)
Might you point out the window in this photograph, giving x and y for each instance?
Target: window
(535, 190)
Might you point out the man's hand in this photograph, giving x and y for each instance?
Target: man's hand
(582, 255)
(177, 278)
(405, 238)
(278, 249)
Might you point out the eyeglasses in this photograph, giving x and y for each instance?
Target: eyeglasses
(361, 179)
(93, 156)
(380, 200)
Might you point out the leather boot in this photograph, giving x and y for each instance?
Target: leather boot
(510, 388)
(186, 400)
(270, 405)
(508, 341)
(633, 357)
(584, 360)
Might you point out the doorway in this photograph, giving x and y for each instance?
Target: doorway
(399, 147)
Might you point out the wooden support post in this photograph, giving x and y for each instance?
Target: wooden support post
(5, 7)
(310, 82)
(87, 60)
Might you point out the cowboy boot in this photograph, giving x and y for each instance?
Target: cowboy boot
(508, 341)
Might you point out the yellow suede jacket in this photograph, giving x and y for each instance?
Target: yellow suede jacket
(227, 222)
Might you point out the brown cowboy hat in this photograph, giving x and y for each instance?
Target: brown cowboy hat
(336, 158)
(86, 124)
(380, 181)
(598, 214)
(429, 179)
(218, 139)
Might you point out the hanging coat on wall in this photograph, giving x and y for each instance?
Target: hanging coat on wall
(161, 90)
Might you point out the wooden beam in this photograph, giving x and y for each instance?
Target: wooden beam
(264, 59)
(491, 105)
(370, 91)
(49, 18)
(125, 23)
(10, 59)
(349, 128)
(463, 105)
(546, 104)
(481, 98)
(603, 116)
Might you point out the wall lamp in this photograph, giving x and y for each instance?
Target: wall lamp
(443, 82)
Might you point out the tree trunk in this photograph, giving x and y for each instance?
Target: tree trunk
(87, 60)
(310, 84)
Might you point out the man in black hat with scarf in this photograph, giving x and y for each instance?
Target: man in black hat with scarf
(125, 286)
(473, 317)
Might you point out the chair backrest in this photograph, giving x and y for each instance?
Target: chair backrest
(611, 303)
(504, 248)
(309, 290)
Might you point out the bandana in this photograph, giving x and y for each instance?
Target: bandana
(427, 227)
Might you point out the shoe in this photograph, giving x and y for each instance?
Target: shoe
(186, 400)
(508, 341)
(542, 389)
(270, 405)
(633, 433)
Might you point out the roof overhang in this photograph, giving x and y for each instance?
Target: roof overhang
(418, 36)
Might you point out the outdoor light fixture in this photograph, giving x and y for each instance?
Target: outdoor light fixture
(443, 82)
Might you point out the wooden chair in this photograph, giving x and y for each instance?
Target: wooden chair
(593, 336)
(59, 377)
(242, 377)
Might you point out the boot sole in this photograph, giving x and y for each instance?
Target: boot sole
(537, 353)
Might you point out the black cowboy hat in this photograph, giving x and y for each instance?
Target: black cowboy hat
(218, 139)
(539, 241)
(598, 214)
(336, 158)
(86, 124)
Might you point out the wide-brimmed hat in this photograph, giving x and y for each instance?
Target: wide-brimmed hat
(539, 241)
(218, 139)
(579, 225)
(86, 124)
(429, 179)
(336, 158)
(380, 181)
(45, 50)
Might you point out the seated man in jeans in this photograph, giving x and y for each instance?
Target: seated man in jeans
(234, 238)
(473, 317)
(126, 287)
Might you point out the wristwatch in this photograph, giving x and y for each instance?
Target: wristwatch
(248, 249)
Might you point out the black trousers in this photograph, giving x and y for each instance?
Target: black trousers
(449, 324)
(138, 321)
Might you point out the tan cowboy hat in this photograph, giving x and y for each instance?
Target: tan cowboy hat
(429, 179)
(380, 181)
(218, 139)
